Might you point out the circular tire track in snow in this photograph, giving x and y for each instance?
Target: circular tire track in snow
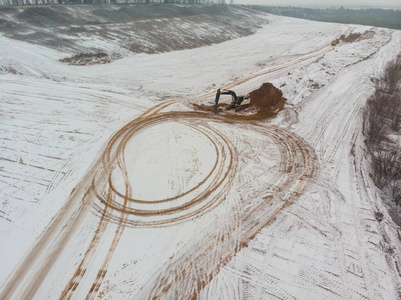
(198, 199)
(297, 168)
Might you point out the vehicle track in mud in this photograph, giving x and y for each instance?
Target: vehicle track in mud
(224, 168)
(119, 207)
(195, 267)
(298, 165)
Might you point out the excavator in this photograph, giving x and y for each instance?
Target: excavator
(237, 101)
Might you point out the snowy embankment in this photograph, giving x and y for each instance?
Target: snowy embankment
(175, 203)
(119, 30)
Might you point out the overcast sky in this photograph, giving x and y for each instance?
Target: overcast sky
(325, 3)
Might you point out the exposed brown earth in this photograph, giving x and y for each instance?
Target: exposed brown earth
(86, 61)
(266, 102)
(268, 98)
(352, 37)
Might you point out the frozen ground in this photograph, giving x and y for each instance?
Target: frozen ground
(113, 187)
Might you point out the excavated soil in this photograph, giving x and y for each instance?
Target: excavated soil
(86, 61)
(266, 102)
(352, 38)
(268, 98)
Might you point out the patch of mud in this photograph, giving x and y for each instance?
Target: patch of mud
(367, 35)
(353, 37)
(266, 102)
(87, 59)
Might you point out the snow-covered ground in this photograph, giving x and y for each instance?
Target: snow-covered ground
(122, 29)
(112, 187)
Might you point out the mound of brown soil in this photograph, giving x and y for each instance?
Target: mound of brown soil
(86, 61)
(352, 37)
(266, 102)
(267, 98)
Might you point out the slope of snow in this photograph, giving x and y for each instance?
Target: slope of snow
(108, 160)
(120, 30)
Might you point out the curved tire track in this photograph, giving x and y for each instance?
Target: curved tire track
(193, 268)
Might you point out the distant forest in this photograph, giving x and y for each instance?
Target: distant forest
(372, 17)
(52, 2)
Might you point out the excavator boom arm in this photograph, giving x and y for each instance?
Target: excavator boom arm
(232, 93)
(237, 100)
(216, 100)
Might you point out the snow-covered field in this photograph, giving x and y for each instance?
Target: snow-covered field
(112, 186)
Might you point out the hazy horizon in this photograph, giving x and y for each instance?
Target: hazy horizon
(325, 4)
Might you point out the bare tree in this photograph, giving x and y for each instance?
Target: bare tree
(382, 116)
(395, 191)
(385, 167)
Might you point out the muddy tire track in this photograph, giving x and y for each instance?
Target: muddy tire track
(298, 164)
(297, 167)
(193, 268)
(139, 214)
(116, 206)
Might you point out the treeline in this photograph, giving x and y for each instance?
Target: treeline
(382, 128)
(388, 18)
(53, 2)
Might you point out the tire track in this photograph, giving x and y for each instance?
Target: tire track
(184, 278)
(114, 153)
(81, 270)
(221, 144)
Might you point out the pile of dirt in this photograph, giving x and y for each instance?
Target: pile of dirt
(265, 103)
(268, 98)
(84, 61)
(352, 37)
